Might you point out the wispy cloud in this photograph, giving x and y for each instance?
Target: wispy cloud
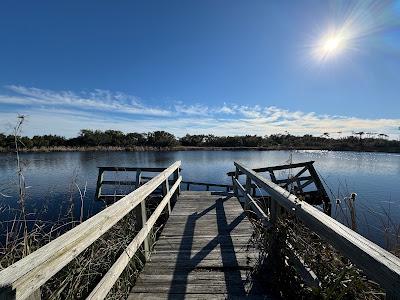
(66, 112)
(94, 100)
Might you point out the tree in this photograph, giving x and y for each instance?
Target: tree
(161, 139)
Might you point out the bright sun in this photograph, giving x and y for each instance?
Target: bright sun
(330, 45)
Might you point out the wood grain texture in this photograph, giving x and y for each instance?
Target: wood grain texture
(108, 280)
(203, 252)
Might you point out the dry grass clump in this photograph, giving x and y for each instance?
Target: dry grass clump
(332, 275)
(80, 276)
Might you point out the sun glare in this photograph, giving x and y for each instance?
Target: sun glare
(330, 45)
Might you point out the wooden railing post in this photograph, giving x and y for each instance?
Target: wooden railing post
(138, 178)
(176, 176)
(178, 190)
(248, 191)
(165, 190)
(141, 219)
(100, 178)
(236, 176)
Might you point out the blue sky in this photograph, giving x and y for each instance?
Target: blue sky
(222, 67)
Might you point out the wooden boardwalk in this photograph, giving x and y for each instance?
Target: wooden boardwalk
(202, 253)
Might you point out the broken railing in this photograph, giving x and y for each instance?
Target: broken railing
(300, 183)
(23, 279)
(377, 263)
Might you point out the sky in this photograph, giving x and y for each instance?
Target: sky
(201, 67)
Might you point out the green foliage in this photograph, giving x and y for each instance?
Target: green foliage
(163, 139)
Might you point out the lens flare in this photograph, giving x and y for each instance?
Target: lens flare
(356, 26)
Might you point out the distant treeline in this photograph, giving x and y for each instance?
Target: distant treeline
(96, 139)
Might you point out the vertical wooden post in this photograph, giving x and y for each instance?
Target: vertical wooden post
(248, 191)
(165, 190)
(254, 192)
(272, 174)
(141, 219)
(187, 186)
(235, 190)
(178, 190)
(321, 188)
(100, 177)
(138, 178)
(176, 176)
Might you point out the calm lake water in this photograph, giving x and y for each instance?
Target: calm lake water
(50, 177)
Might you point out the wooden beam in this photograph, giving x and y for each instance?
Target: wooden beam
(112, 182)
(293, 179)
(276, 168)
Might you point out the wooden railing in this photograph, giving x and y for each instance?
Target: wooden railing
(23, 279)
(140, 179)
(188, 184)
(377, 263)
(301, 182)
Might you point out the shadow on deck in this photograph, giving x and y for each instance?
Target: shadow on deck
(202, 253)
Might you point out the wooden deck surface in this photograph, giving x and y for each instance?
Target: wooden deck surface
(202, 253)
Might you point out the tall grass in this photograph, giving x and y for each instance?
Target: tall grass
(330, 275)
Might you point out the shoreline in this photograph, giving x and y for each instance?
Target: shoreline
(191, 148)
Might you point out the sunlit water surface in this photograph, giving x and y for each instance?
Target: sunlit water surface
(52, 178)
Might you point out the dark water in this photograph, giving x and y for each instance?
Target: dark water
(52, 177)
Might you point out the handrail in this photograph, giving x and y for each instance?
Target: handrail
(207, 185)
(27, 275)
(377, 263)
(276, 168)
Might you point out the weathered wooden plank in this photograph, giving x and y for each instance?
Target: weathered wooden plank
(203, 249)
(108, 280)
(132, 169)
